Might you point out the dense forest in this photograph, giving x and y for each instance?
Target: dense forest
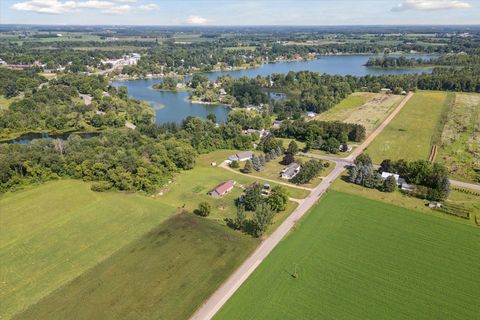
(59, 106)
(12, 82)
(444, 60)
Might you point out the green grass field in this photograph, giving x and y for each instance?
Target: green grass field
(409, 134)
(53, 233)
(460, 139)
(365, 108)
(166, 274)
(355, 258)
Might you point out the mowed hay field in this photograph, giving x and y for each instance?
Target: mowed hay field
(409, 135)
(166, 274)
(460, 139)
(355, 258)
(52, 233)
(365, 108)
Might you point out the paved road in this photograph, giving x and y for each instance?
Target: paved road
(228, 288)
(465, 185)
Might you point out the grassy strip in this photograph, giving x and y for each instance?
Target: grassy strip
(442, 121)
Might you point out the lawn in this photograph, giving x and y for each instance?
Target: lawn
(460, 139)
(409, 134)
(191, 187)
(354, 258)
(365, 108)
(52, 233)
(273, 168)
(166, 274)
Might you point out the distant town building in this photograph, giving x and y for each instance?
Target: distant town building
(126, 60)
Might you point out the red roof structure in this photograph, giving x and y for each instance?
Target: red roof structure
(222, 188)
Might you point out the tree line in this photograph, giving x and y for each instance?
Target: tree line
(123, 159)
(323, 135)
(430, 181)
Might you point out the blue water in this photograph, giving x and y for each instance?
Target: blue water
(29, 137)
(174, 106)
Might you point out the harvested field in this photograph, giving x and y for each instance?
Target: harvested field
(365, 108)
(460, 138)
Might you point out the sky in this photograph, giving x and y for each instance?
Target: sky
(239, 12)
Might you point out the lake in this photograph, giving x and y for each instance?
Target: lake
(174, 106)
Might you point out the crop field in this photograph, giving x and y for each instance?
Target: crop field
(365, 108)
(460, 139)
(52, 233)
(165, 274)
(409, 135)
(354, 258)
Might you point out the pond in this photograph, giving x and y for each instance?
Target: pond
(174, 106)
(29, 137)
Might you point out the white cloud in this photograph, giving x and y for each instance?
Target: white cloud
(147, 7)
(196, 20)
(62, 6)
(429, 5)
(46, 6)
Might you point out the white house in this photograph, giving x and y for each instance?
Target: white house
(385, 175)
(310, 114)
(290, 171)
(241, 156)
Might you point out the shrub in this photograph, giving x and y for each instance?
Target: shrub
(204, 209)
(389, 185)
(248, 168)
(234, 164)
(101, 186)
